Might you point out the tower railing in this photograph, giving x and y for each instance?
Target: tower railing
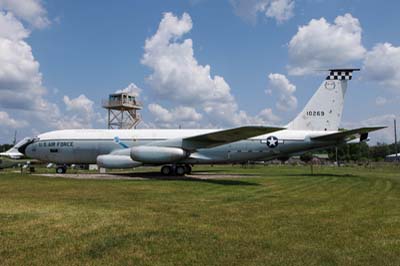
(122, 110)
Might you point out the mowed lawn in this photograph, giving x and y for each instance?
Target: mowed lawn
(275, 215)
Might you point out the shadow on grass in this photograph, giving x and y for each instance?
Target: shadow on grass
(210, 171)
(160, 177)
(322, 175)
(214, 174)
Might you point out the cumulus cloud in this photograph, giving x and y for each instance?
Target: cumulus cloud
(179, 78)
(286, 101)
(80, 104)
(181, 115)
(80, 113)
(20, 79)
(7, 121)
(188, 117)
(320, 44)
(31, 11)
(268, 116)
(280, 10)
(132, 88)
(176, 73)
(12, 28)
(382, 65)
(21, 87)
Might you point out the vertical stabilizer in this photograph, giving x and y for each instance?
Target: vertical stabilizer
(323, 112)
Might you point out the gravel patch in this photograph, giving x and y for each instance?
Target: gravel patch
(146, 176)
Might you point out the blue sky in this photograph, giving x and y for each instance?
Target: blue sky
(62, 57)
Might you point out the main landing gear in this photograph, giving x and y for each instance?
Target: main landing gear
(180, 169)
(61, 169)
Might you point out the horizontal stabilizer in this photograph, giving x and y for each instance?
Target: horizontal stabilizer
(347, 134)
(226, 136)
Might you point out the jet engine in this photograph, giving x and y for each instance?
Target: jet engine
(157, 155)
(113, 161)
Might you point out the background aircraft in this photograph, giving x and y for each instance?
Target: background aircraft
(10, 163)
(315, 127)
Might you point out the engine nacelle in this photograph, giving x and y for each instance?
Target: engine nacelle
(113, 161)
(157, 155)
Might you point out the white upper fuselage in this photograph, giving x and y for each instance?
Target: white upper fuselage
(161, 134)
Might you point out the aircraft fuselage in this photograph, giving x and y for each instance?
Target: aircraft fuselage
(84, 146)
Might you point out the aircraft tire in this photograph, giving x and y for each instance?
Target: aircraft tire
(61, 170)
(166, 170)
(188, 169)
(180, 170)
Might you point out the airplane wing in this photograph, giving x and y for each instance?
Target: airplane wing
(226, 136)
(343, 135)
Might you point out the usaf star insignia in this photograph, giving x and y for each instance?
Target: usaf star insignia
(272, 142)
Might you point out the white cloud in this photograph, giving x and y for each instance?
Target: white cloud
(280, 10)
(320, 44)
(80, 113)
(278, 82)
(176, 72)
(188, 117)
(178, 77)
(20, 79)
(8, 122)
(79, 104)
(382, 65)
(187, 113)
(132, 88)
(268, 117)
(11, 28)
(21, 87)
(181, 115)
(30, 11)
(160, 113)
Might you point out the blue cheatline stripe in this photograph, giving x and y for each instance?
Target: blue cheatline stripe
(118, 141)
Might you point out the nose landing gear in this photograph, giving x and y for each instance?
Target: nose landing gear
(61, 169)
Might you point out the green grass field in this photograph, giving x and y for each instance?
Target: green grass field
(275, 215)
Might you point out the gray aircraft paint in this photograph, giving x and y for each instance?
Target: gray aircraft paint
(87, 151)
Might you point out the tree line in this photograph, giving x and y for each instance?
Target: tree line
(362, 151)
(5, 147)
(356, 152)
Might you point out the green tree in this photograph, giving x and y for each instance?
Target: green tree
(380, 151)
(306, 157)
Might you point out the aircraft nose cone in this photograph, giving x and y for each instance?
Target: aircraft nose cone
(27, 150)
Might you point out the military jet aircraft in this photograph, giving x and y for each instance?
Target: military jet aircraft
(176, 150)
